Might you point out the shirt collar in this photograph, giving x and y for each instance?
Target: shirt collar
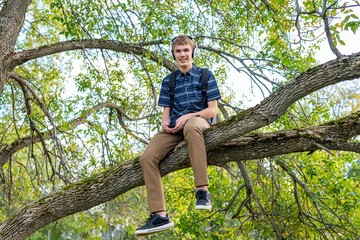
(193, 71)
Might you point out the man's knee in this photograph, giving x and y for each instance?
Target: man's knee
(148, 157)
(195, 124)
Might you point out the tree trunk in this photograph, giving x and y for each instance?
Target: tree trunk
(225, 142)
(12, 17)
(116, 181)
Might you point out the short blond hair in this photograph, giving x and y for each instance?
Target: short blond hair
(182, 40)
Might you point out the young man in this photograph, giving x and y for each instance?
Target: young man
(188, 120)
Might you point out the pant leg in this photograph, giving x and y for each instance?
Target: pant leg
(193, 133)
(160, 145)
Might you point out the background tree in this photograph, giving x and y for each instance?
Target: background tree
(78, 102)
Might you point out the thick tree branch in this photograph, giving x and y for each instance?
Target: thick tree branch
(12, 16)
(116, 181)
(271, 108)
(333, 136)
(274, 106)
(117, 46)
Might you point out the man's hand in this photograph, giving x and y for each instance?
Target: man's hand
(165, 120)
(166, 128)
(180, 122)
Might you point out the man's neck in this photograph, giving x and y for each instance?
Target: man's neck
(185, 69)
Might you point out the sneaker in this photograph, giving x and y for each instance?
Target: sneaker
(155, 223)
(203, 200)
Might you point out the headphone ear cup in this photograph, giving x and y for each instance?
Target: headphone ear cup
(194, 53)
(171, 49)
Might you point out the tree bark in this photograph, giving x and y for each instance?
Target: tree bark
(225, 142)
(116, 46)
(274, 106)
(270, 109)
(109, 184)
(12, 17)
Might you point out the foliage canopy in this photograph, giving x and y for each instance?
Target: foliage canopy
(78, 102)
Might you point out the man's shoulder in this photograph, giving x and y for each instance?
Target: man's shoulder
(196, 69)
(199, 71)
(204, 70)
(168, 76)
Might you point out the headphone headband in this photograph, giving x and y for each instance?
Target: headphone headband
(172, 40)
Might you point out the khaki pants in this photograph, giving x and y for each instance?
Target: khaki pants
(160, 145)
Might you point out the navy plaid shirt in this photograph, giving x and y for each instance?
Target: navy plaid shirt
(187, 94)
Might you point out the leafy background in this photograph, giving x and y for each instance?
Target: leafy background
(264, 43)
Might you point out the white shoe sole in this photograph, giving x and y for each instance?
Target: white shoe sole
(203, 207)
(154, 230)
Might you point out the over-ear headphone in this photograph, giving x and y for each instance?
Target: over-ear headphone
(193, 54)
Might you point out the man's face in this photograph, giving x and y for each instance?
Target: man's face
(183, 54)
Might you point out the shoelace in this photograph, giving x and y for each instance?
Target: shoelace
(201, 194)
(152, 216)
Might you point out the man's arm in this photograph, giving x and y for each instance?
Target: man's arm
(209, 112)
(165, 119)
